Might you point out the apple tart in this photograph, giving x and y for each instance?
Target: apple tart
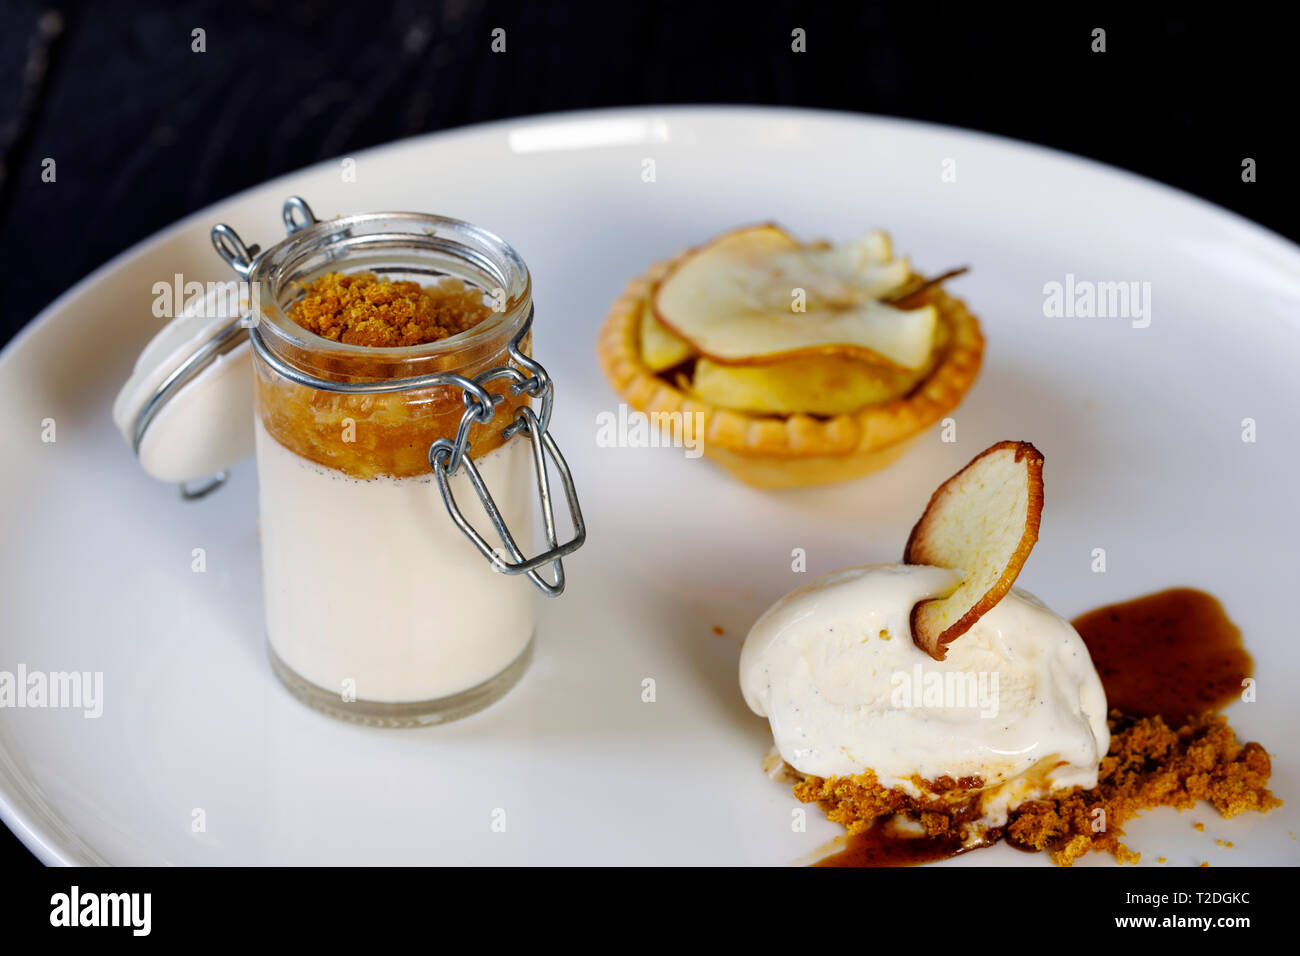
(810, 363)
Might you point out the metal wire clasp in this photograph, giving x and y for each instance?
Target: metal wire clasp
(446, 457)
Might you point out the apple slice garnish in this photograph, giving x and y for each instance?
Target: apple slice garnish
(734, 300)
(824, 385)
(660, 349)
(983, 521)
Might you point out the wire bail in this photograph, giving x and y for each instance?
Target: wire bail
(447, 456)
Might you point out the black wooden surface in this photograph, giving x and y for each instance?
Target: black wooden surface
(144, 130)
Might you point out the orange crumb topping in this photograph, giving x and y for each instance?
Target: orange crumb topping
(383, 434)
(856, 802)
(1149, 765)
(362, 309)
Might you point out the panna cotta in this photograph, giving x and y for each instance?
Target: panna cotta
(357, 572)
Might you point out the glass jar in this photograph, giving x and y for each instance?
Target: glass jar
(385, 604)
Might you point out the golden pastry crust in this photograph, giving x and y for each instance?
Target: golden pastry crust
(771, 451)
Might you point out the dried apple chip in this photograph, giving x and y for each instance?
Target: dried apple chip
(982, 521)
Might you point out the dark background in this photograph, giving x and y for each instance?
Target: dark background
(144, 131)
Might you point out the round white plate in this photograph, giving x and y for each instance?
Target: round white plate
(1142, 429)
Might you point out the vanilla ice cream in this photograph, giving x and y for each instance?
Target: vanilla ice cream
(1016, 701)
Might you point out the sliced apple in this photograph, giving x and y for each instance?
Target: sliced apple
(757, 295)
(982, 521)
(820, 385)
(660, 348)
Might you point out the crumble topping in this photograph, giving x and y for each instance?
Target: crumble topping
(1149, 765)
(362, 309)
(370, 435)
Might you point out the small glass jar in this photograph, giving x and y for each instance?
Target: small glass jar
(385, 605)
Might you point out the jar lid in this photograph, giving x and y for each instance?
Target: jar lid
(187, 409)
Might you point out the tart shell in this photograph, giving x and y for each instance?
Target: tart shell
(770, 451)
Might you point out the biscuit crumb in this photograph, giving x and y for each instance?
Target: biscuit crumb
(362, 309)
(718, 631)
(1199, 826)
(388, 434)
(1148, 765)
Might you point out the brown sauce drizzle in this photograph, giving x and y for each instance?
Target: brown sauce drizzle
(1172, 653)
(880, 847)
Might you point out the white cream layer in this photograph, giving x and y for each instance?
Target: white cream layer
(371, 583)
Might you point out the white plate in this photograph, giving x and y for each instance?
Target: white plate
(1141, 427)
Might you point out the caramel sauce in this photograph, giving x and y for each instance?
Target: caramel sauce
(1172, 653)
(880, 847)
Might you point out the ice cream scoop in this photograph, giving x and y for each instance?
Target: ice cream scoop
(1016, 702)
